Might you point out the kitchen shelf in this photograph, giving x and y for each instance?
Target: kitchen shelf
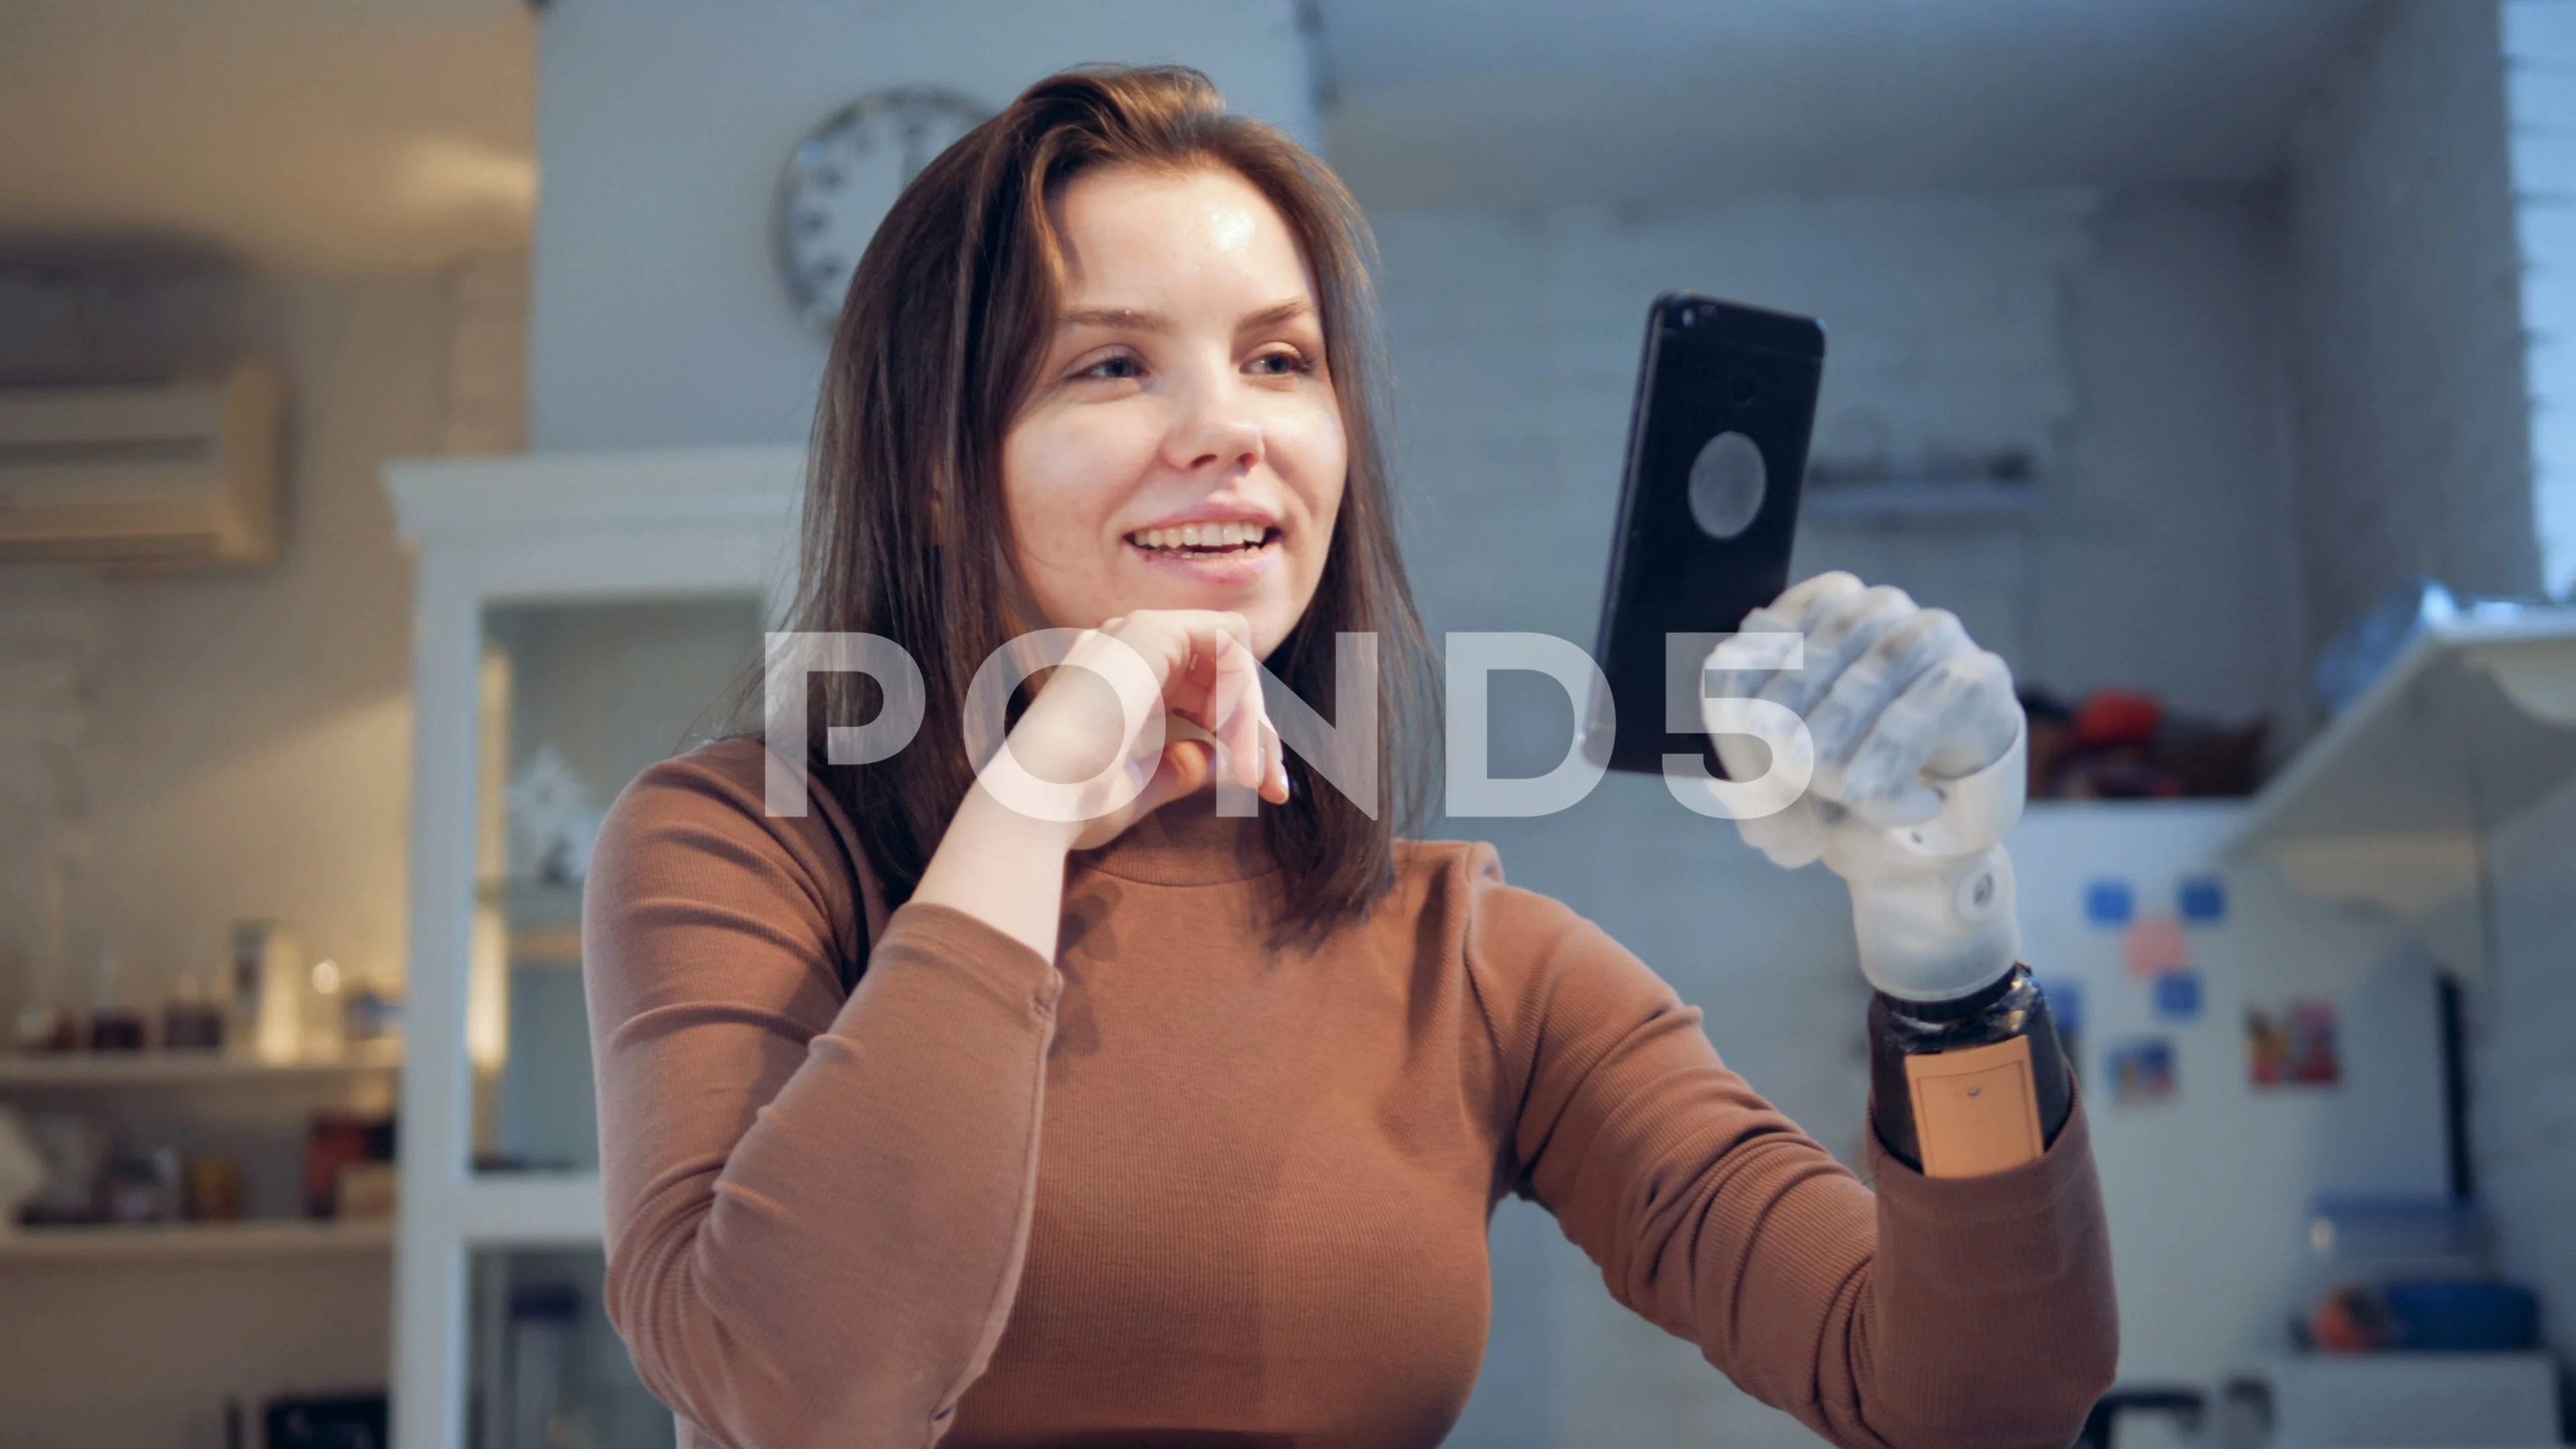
(157, 1068)
(165, 1242)
(2393, 803)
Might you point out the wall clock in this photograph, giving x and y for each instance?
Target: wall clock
(841, 180)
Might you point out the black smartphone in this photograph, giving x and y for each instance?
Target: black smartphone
(1717, 445)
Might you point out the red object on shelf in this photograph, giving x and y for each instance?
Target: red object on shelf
(2117, 717)
(336, 1140)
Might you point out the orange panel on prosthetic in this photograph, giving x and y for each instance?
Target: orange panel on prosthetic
(1975, 1109)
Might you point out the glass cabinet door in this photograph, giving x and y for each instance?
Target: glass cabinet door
(548, 1372)
(576, 699)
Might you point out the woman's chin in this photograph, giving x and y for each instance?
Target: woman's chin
(1258, 596)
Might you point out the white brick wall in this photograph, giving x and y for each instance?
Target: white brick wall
(2540, 93)
(2413, 429)
(1516, 340)
(49, 619)
(2129, 343)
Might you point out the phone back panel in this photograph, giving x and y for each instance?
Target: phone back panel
(1708, 510)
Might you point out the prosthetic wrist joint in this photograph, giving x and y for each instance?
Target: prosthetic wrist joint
(1932, 904)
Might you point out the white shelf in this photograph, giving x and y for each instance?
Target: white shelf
(536, 1209)
(2391, 805)
(153, 1068)
(164, 1242)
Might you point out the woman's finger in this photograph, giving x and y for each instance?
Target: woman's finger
(1234, 708)
(1210, 675)
(1275, 780)
(1248, 716)
(1185, 769)
(1180, 645)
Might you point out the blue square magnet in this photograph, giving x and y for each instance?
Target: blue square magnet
(2109, 902)
(2178, 995)
(2201, 899)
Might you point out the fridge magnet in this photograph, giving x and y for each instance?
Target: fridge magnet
(2154, 945)
(2066, 1008)
(2201, 900)
(2141, 1071)
(2108, 902)
(2292, 1046)
(2177, 995)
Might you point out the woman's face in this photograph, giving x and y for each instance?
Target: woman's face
(1182, 448)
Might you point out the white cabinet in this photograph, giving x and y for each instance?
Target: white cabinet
(2415, 1400)
(579, 616)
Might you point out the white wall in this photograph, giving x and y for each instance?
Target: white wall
(663, 125)
(2413, 426)
(2523, 1074)
(2540, 95)
(2170, 558)
(2131, 342)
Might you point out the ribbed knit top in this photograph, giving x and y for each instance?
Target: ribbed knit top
(1177, 1187)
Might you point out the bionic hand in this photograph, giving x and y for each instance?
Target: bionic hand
(1918, 775)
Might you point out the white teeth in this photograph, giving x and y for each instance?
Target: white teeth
(1201, 536)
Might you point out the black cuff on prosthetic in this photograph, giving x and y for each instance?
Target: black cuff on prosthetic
(2011, 1007)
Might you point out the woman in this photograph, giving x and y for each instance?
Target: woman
(927, 1119)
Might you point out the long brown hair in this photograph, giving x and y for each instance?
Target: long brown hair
(939, 345)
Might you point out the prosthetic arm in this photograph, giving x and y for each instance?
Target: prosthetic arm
(1919, 764)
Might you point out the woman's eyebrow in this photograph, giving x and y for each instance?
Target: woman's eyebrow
(1122, 319)
(1129, 319)
(1277, 313)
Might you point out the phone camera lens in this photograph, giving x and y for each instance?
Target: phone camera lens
(1743, 386)
(1689, 315)
(1708, 314)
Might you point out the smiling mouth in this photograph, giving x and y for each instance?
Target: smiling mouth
(1205, 540)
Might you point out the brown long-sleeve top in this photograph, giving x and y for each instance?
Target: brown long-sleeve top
(1176, 1188)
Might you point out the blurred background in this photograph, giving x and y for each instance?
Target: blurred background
(401, 404)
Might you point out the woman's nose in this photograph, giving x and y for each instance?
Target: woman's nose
(1216, 431)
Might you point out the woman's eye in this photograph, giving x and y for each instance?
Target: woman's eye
(1115, 368)
(1278, 364)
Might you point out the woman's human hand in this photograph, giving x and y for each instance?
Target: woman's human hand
(1137, 754)
(1919, 745)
